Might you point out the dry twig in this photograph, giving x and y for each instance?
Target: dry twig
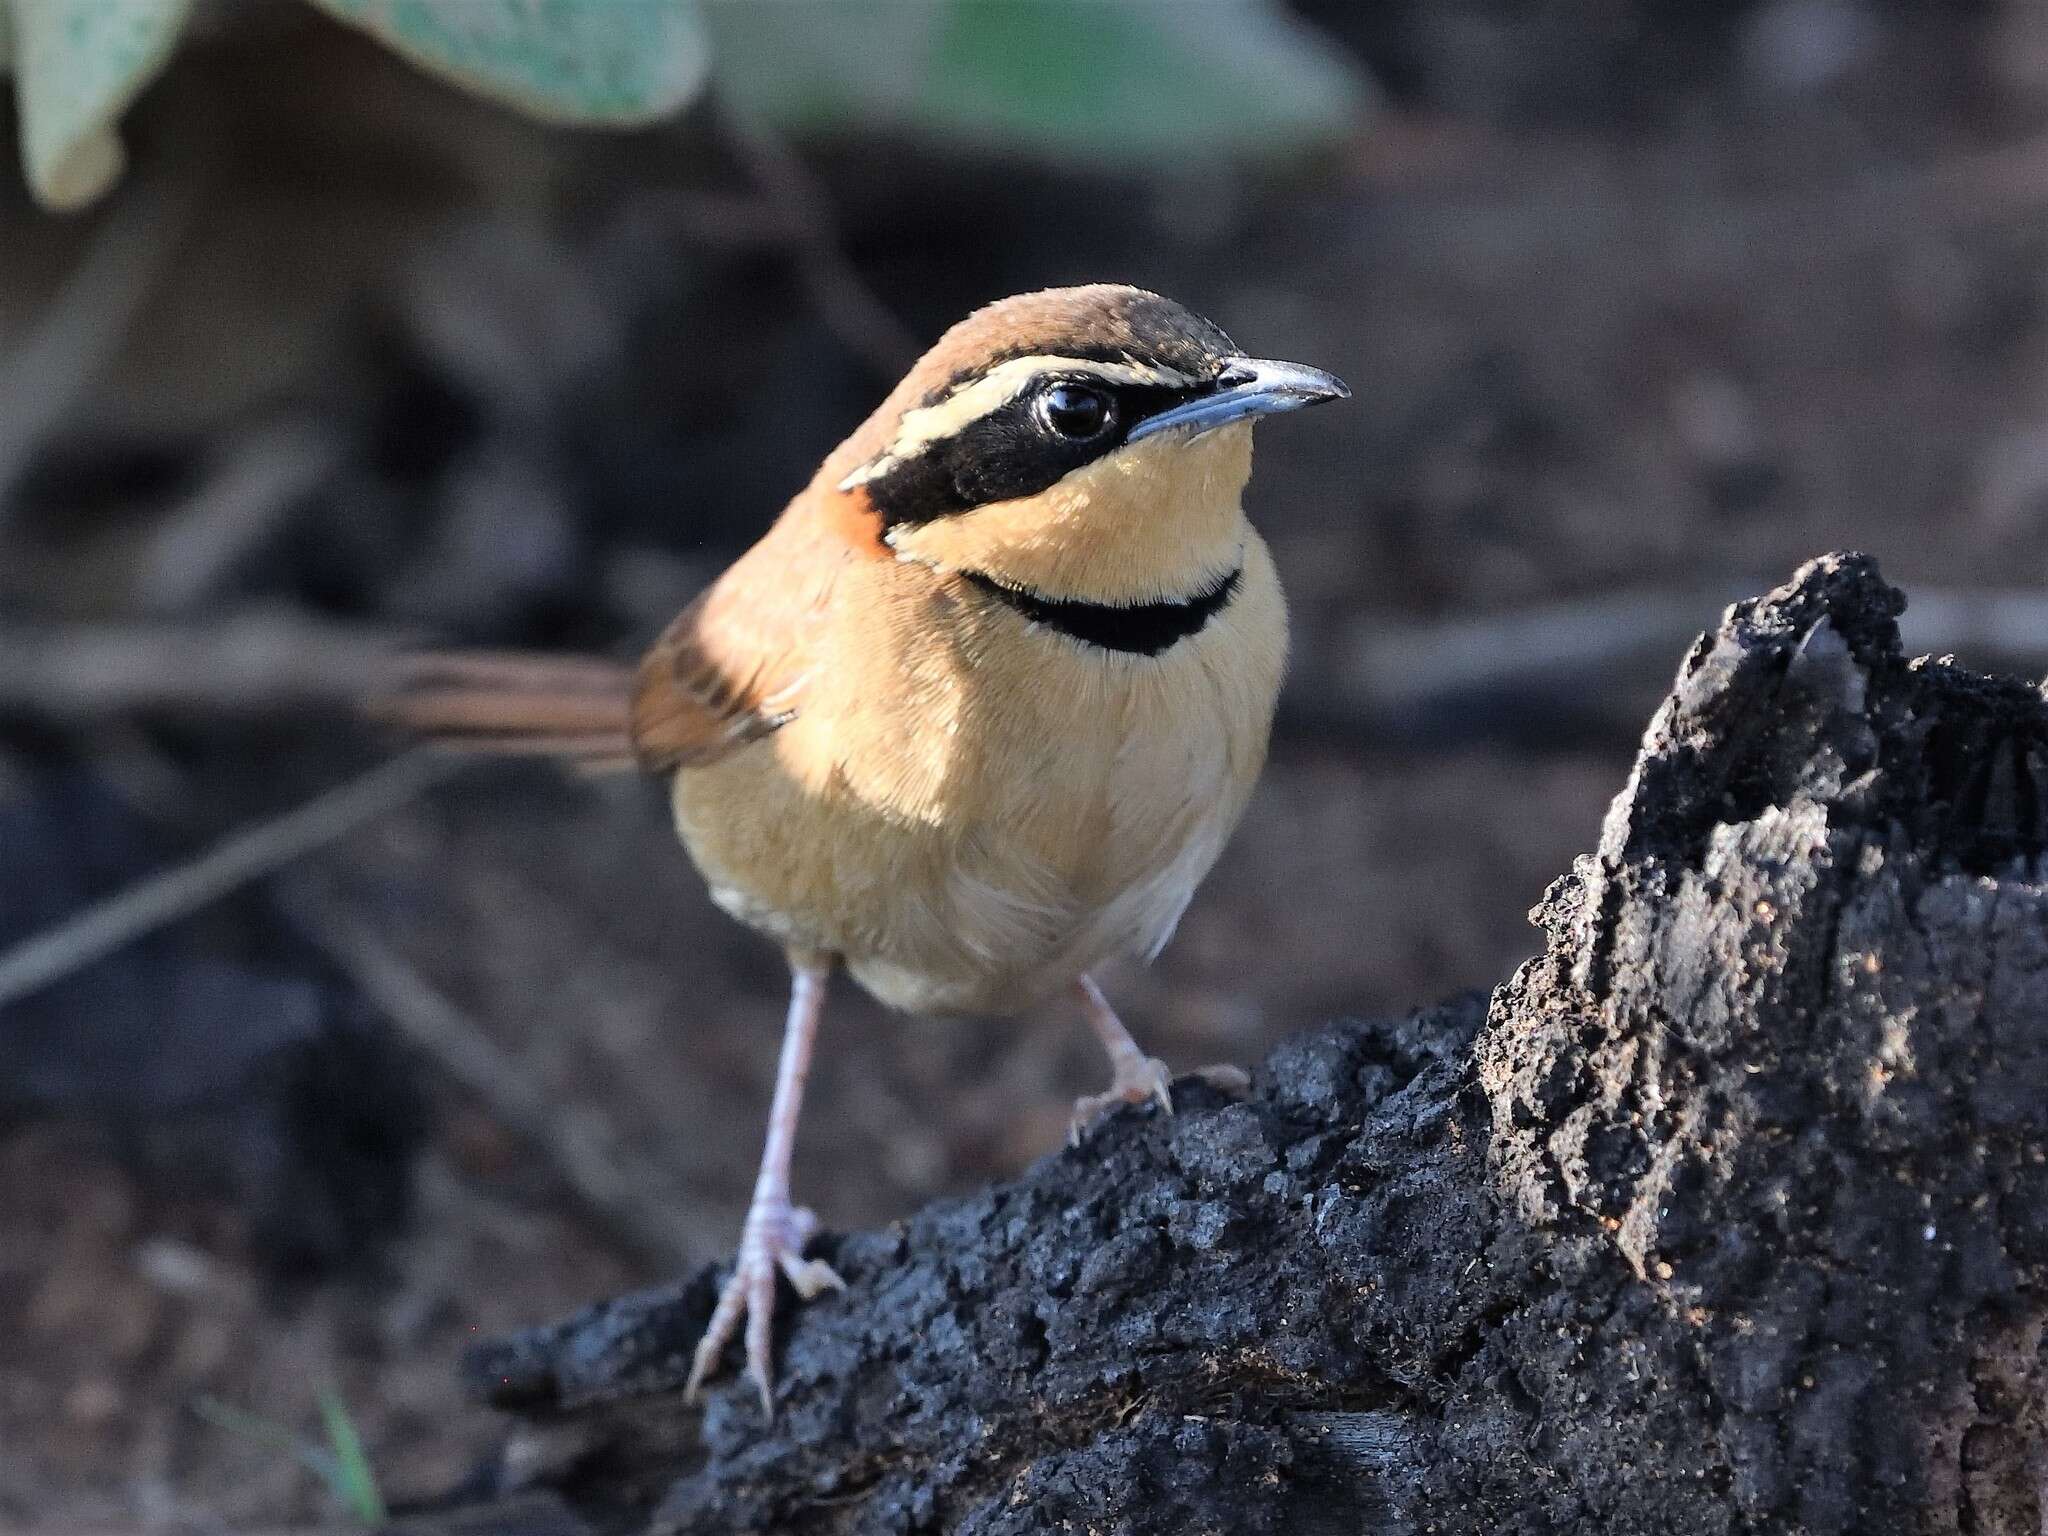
(855, 312)
(255, 484)
(1545, 671)
(579, 1147)
(259, 661)
(274, 660)
(77, 333)
(233, 862)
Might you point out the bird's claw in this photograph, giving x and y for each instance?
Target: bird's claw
(1147, 1078)
(1138, 1078)
(774, 1240)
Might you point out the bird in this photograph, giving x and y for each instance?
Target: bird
(975, 715)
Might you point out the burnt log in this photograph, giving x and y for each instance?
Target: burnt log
(1728, 1213)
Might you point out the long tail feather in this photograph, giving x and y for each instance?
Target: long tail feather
(574, 709)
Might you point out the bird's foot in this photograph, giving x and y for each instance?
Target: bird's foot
(1139, 1078)
(773, 1241)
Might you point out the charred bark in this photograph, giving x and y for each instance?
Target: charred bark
(1728, 1213)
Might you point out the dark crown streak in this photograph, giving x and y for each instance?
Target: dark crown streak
(1141, 629)
(1107, 326)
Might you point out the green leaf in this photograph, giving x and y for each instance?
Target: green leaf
(253, 1426)
(1134, 84)
(593, 62)
(342, 1464)
(355, 1484)
(78, 64)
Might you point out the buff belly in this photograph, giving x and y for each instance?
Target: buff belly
(1019, 809)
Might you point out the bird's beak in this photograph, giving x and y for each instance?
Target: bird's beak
(1246, 387)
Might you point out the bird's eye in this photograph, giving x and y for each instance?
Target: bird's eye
(1075, 411)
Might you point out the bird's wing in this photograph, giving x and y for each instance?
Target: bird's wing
(733, 665)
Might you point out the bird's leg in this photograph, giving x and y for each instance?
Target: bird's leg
(1138, 1077)
(776, 1231)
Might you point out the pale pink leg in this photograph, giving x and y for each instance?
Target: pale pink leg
(1137, 1077)
(776, 1231)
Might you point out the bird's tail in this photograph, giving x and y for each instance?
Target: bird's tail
(577, 710)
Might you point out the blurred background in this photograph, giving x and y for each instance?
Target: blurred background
(457, 320)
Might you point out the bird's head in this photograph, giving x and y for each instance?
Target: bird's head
(1080, 443)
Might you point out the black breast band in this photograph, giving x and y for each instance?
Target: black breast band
(1142, 629)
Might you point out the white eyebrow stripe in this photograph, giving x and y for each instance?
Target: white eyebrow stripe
(928, 424)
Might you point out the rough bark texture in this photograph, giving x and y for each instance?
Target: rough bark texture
(1729, 1213)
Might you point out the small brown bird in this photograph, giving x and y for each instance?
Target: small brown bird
(976, 714)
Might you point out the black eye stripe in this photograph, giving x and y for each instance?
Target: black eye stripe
(1008, 453)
